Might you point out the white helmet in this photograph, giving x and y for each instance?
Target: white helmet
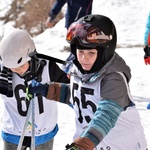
(15, 48)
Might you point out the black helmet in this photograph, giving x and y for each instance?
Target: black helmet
(93, 31)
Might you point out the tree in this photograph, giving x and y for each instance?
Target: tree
(30, 15)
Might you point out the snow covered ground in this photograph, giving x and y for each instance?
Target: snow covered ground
(129, 18)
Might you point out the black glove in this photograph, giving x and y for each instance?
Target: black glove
(71, 147)
(38, 89)
(147, 55)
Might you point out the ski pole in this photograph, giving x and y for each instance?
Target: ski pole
(24, 129)
(33, 124)
(34, 83)
(30, 109)
(36, 77)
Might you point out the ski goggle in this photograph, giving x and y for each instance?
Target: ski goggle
(87, 35)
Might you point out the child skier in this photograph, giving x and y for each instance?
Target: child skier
(106, 116)
(20, 63)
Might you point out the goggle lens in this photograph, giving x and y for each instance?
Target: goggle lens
(87, 34)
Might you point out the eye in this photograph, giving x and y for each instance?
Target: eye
(80, 51)
(92, 53)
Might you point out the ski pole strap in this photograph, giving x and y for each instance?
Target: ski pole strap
(52, 59)
(38, 74)
(29, 95)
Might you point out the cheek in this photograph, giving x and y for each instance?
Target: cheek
(79, 56)
(95, 58)
(25, 68)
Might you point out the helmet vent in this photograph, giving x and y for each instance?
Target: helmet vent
(19, 61)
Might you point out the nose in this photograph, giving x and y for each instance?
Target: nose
(85, 57)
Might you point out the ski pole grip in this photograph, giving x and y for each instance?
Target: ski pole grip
(40, 70)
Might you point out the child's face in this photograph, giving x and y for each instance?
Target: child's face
(86, 58)
(22, 69)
